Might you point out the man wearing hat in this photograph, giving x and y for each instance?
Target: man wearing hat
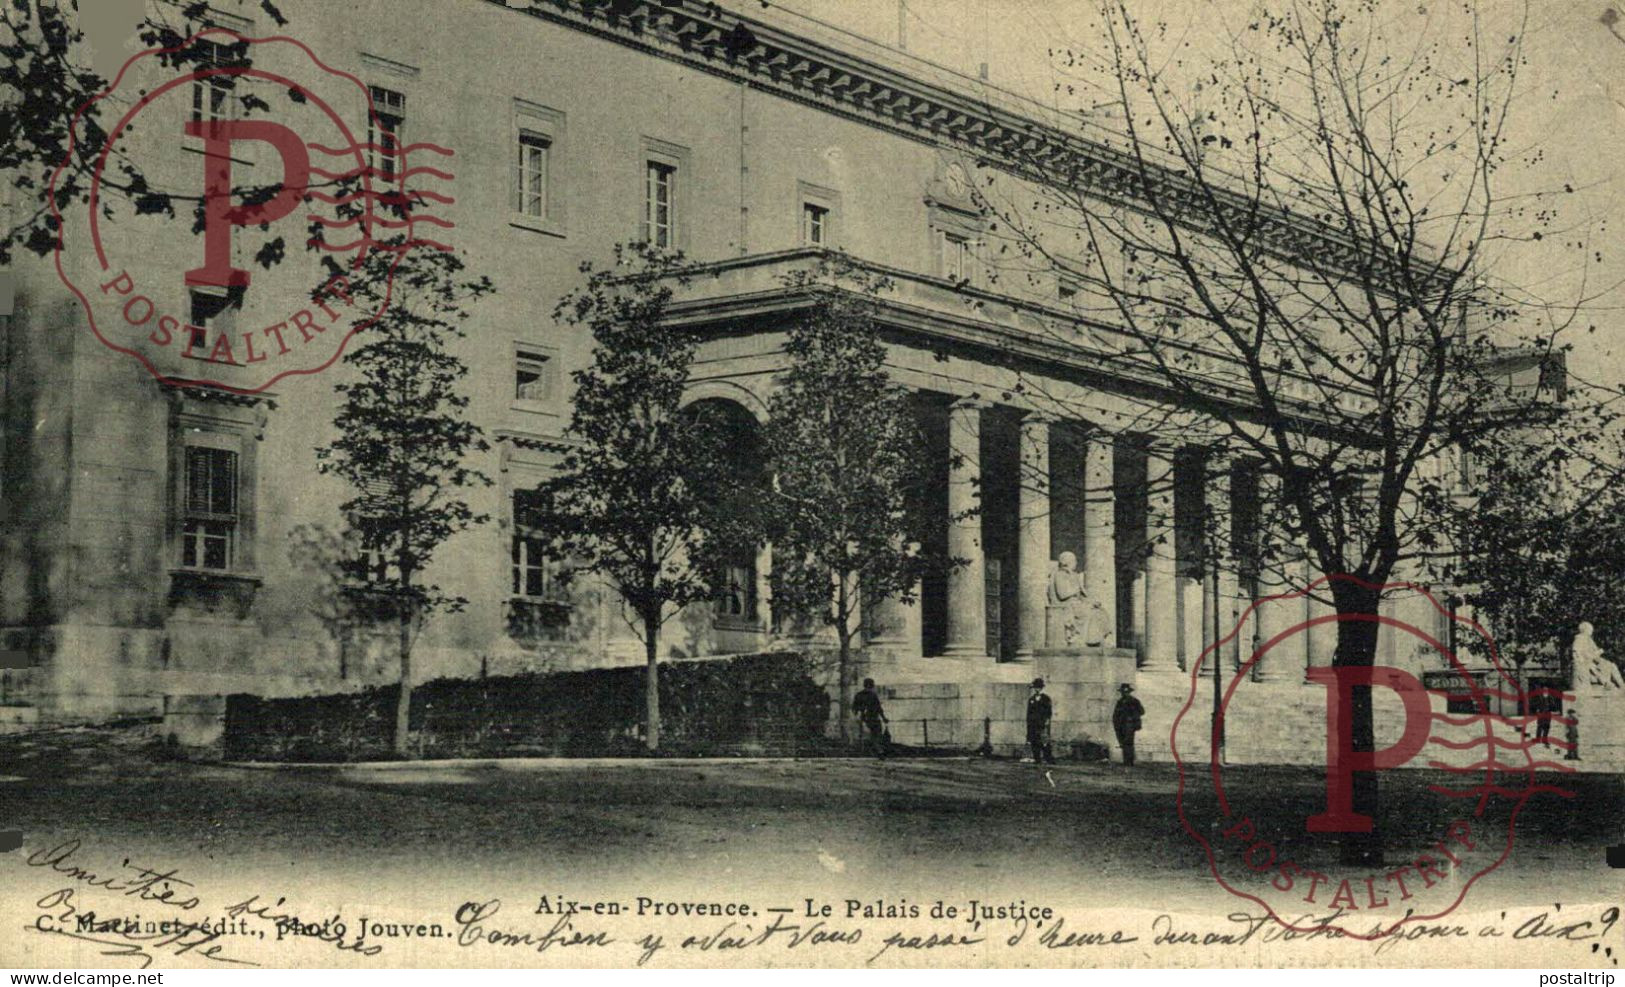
(1039, 712)
(1126, 721)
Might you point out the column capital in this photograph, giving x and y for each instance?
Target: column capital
(972, 403)
(1162, 446)
(1035, 418)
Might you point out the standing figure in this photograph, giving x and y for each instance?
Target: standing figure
(1039, 712)
(866, 707)
(1545, 703)
(1126, 721)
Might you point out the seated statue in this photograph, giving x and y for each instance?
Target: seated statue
(1590, 667)
(1081, 620)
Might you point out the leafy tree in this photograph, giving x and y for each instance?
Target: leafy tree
(845, 516)
(1534, 543)
(404, 440)
(628, 501)
(44, 82)
(1284, 237)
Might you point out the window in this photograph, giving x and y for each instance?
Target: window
(1066, 290)
(530, 184)
(814, 224)
(820, 215)
(370, 564)
(739, 595)
(660, 204)
(211, 310)
(209, 528)
(386, 130)
(533, 375)
(211, 94)
(532, 575)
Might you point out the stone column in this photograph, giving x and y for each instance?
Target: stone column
(1033, 539)
(1193, 629)
(1100, 530)
(1296, 648)
(1161, 613)
(1322, 637)
(1271, 619)
(967, 584)
(1270, 615)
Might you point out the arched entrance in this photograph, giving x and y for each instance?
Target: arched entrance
(733, 481)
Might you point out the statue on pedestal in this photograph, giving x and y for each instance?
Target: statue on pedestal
(1590, 667)
(1074, 619)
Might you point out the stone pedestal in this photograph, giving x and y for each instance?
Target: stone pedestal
(1600, 718)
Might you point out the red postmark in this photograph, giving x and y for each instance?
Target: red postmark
(232, 179)
(1472, 736)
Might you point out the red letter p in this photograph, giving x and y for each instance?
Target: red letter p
(219, 214)
(1342, 760)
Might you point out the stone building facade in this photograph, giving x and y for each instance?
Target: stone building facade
(164, 541)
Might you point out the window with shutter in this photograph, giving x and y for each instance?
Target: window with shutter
(532, 575)
(211, 87)
(660, 205)
(531, 176)
(209, 528)
(386, 131)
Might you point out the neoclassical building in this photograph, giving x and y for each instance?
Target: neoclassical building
(163, 541)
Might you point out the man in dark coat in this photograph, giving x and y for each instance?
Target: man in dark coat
(1126, 721)
(1039, 712)
(866, 707)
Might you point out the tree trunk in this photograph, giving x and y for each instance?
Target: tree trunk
(403, 701)
(651, 682)
(1357, 647)
(843, 684)
(843, 658)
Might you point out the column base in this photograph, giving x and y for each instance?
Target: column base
(966, 653)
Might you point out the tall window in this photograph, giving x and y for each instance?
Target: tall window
(211, 95)
(531, 572)
(209, 528)
(531, 178)
(386, 131)
(660, 204)
(814, 224)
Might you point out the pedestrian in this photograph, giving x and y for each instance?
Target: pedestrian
(1544, 704)
(1039, 712)
(1126, 721)
(872, 716)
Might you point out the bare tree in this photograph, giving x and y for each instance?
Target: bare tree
(1287, 240)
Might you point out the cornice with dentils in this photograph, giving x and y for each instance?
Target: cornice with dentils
(998, 127)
